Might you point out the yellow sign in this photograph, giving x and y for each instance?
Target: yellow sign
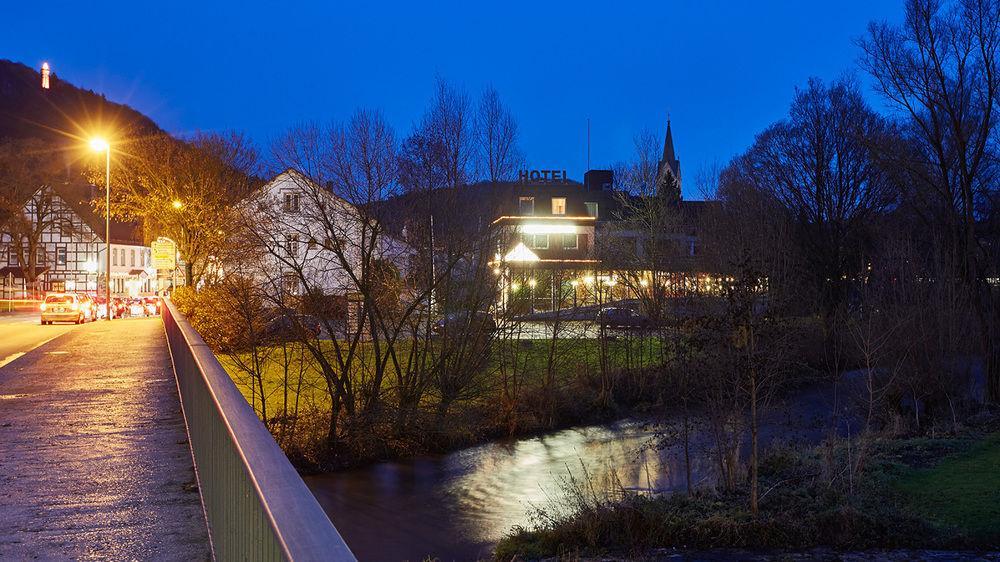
(164, 253)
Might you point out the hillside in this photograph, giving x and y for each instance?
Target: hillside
(61, 115)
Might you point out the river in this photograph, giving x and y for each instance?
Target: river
(457, 506)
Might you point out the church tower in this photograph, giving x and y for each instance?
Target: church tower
(45, 76)
(668, 175)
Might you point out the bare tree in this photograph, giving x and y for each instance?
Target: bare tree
(940, 71)
(184, 190)
(819, 164)
(496, 134)
(28, 172)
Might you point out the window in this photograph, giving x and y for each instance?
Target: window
(291, 203)
(114, 257)
(121, 257)
(290, 284)
(537, 241)
(131, 257)
(292, 245)
(60, 255)
(527, 205)
(558, 205)
(591, 208)
(570, 242)
(11, 257)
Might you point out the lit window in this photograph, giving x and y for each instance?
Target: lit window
(61, 255)
(591, 208)
(558, 205)
(537, 241)
(527, 205)
(570, 242)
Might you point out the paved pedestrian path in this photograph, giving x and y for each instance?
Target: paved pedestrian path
(94, 460)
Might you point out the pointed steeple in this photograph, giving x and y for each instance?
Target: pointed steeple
(668, 177)
(668, 145)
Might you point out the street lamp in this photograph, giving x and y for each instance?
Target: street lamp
(177, 204)
(100, 145)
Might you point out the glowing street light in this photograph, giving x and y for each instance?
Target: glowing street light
(177, 204)
(97, 144)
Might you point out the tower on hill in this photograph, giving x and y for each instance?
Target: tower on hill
(45, 76)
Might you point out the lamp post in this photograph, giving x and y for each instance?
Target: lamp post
(101, 145)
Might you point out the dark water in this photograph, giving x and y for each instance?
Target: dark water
(457, 506)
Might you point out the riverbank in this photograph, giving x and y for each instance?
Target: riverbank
(526, 388)
(934, 493)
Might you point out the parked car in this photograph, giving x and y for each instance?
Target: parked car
(623, 318)
(88, 306)
(285, 326)
(152, 305)
(63, 307)
(464, 322)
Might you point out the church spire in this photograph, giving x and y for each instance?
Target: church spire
(668, 177)
(668, 145)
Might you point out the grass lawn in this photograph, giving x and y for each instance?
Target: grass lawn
(572, 357)
(961, 491)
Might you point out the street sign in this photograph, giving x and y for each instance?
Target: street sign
(164, 253)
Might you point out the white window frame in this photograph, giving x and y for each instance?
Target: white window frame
(588, 204)
(534, 238)
(576, 242)
(522, 201)
(558, 205)
(290, 202)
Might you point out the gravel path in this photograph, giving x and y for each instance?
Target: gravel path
(94, 460)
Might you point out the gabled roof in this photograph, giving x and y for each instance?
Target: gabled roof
(78, 196)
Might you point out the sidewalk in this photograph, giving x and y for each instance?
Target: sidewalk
(94, 460)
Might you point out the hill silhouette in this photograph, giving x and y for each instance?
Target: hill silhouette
(62, 116)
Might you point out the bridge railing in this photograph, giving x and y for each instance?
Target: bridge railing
(256, 504)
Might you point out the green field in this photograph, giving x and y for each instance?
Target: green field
(962, 491)
(572, 358)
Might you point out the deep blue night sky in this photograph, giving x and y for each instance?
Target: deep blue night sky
(723, 70)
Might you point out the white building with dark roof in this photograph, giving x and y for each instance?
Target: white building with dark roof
(70, 248)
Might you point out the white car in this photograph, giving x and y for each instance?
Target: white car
(64, 307)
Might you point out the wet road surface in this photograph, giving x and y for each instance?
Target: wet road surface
(21, 331)
(94, 461)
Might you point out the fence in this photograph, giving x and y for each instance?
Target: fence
(257, 506)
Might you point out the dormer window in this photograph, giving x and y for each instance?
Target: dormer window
(291, 203)
(527, 205)
(558, 205)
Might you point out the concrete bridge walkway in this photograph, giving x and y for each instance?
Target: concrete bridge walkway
(94, 459)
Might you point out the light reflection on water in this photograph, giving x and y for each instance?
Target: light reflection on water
(457, 506)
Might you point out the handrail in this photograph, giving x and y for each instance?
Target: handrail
(256, 504)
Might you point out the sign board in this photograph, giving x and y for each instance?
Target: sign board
(164, 253)
(542, 176)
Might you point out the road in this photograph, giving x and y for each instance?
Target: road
(20, 332)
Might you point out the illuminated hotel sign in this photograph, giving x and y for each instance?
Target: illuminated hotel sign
(542, 176)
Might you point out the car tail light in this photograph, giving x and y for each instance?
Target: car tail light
(42, 306)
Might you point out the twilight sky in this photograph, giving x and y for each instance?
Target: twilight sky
(722, 69)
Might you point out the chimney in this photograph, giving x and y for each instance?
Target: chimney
(599, 180)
